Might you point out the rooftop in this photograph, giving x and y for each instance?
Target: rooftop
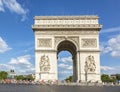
(67, 17)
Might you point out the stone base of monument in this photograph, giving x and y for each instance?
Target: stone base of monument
(82, 83)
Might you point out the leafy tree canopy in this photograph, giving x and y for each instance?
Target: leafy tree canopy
(3, 75)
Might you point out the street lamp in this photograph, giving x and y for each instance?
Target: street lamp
(86, 71)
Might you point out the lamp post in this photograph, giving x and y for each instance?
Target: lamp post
(86, 72)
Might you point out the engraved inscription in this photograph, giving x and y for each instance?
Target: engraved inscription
(44, 42)
(87, 42)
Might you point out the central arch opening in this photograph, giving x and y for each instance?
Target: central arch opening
(65, 65)
(67, 50)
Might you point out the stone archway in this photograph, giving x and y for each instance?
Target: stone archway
(77, 34)
(69, 46)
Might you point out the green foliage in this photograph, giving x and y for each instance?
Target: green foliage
(105, 78)
(112, 80)
(70, 78)
(3, 75)
(21, 77)
(29, 77)
(118, 76)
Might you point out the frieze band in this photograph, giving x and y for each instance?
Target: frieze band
(44, 42)
(88, 42)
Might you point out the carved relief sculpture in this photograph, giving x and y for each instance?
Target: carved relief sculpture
(44, 43)
(44, 64)
(90, 66)
(89, 42)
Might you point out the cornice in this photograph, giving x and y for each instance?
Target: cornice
(89, 51)
(66, 17)
(86, 26)
(42, 50)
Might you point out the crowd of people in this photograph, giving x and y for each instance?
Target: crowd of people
(55, 82)
(13, 81)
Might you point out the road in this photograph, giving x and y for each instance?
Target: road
(56, 88)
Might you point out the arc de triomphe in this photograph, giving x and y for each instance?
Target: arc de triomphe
(77, 34)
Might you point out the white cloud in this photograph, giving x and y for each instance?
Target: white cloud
(70, 67)
(65, 66)
(105, 49)
(29, 49)
(65, 59)
(3, 46)
(110, 70)
(14, 7)
(24, 60)
(62, 65)
(1, 6)
(107, 68)
(112, 47)
(114, 29)
(65, 72)
(22, 64)
(6, 67)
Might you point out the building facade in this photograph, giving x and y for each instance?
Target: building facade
(77, 34)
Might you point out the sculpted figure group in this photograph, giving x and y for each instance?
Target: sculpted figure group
(90, 64)
(44, 64)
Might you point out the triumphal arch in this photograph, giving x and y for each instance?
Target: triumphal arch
(77, 34)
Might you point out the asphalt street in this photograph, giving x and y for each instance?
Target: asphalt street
(56, 88)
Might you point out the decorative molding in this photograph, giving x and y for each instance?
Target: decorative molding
(82, 26)
(44, 64)
(89, 42)
(89, 51)
(67, 32)
(66, 17)
(44, 42)
(45, 50)
(65, 22)
(74, 39)
(59, 39)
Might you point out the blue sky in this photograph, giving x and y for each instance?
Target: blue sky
(17, 37)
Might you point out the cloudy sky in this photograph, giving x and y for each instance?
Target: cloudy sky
(17, 37)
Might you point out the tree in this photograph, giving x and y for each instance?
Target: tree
(70, 78)
(29, 77)
(118, 76)
(112, 80)
(19, 77)
(22, 77)
(105, 78)
(3, 75)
